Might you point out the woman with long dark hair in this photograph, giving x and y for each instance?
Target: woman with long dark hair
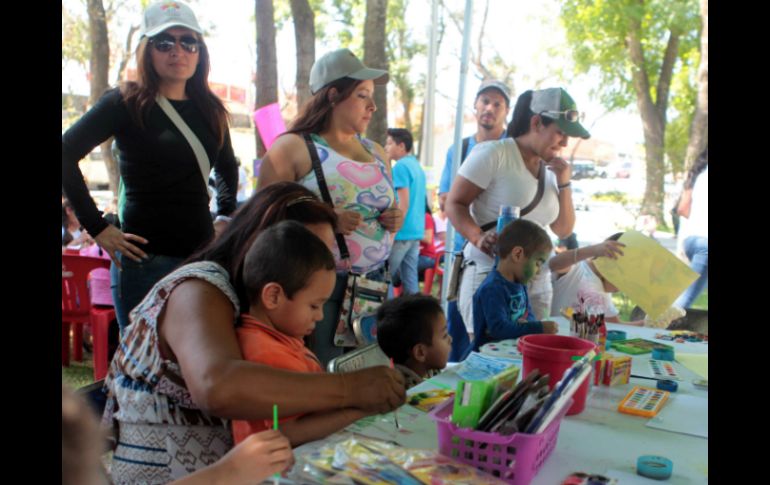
(178, 376)
(163, 212)
(355, 168)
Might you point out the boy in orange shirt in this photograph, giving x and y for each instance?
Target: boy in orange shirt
(289, 273)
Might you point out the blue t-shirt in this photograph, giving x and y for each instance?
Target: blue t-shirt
(446, 179)
(498, 305)
(408, 174)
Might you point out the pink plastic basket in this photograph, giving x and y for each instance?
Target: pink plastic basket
(516, 458)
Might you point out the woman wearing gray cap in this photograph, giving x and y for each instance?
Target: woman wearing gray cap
(357, 175)
(170, 131)
(507, 172)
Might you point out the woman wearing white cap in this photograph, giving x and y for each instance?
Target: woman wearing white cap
(357, 175)
(506, 172)
(170, 131)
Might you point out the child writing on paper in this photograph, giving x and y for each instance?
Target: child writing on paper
(82, 444)
(289, 273)
(412, 331)
(501, 308)
(576, 276)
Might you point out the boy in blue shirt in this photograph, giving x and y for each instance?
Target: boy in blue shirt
(501, 308)
(409, 182)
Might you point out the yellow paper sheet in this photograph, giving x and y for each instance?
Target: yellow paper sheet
(647, 273)
(698, 363)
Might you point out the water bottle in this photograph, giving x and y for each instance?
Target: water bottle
(508, 214)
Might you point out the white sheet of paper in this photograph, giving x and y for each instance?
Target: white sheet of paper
(683, 414)
(417, 430)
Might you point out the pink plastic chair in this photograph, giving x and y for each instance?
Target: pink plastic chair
(77, 310)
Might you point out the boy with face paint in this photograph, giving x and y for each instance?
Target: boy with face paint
(501, 308)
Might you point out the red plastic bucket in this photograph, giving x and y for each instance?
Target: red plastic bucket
(552, 355)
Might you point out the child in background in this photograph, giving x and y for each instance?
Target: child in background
(576, 277)
(289, 273)
(412, 331)
(83, 442)
(501, 308)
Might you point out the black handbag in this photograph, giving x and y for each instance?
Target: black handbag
(355, 325)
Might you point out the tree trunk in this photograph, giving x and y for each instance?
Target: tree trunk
(99, 66)
(267, 72)
(699, 131)
(304, 35)
(653, 115)
(374, 56)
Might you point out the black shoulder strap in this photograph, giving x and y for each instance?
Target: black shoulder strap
(466, 142)
(540, 191)
(319, 175)
(531, 206)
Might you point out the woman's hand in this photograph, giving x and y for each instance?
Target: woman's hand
(607, 249)
(348, 221)
(111, 239)
(561, 168)
(487, 242)
(219, 227)
(374, 389)
(392, 219)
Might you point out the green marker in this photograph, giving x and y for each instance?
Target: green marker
(277, 476)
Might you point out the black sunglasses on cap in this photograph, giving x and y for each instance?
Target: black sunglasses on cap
(571, 115)
(166, 42)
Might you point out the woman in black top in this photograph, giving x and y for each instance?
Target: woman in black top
(164, 216)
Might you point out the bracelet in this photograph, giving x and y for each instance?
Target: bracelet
(564, 186)
(223, 218)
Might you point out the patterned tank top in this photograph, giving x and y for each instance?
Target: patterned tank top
(361, 187)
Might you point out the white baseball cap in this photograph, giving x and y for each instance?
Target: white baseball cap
(163, 15)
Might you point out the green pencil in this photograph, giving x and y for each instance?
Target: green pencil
(277, 476)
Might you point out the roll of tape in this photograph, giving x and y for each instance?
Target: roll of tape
(616, 335)
(663, 354)
(657, 467)
(667, 385)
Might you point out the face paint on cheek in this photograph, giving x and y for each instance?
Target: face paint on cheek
(533, 266)
(530, 270)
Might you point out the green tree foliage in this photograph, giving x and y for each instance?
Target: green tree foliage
(637, 47)
(401, 49)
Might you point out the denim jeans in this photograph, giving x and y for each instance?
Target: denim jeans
(403, 262)
(697, 250)
(460, 340)
(131, 284)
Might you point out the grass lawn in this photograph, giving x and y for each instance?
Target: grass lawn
(79, 374)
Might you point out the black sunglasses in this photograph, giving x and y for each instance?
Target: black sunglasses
(571, 115)
(166, 42)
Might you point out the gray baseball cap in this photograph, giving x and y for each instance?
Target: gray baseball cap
(163, 15)
(556, 104)
(342, 63)
(497, 85)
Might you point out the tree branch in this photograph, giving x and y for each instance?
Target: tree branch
(666, 72)
(639, 74)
